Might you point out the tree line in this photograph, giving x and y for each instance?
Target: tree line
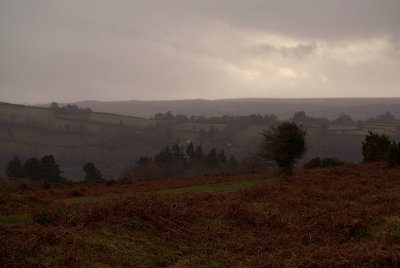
(180, 160)
(46, 169)
(299, 117)
(69, 110)
(225, 119)
(283, 145)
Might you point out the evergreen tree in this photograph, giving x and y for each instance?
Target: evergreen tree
(32, 168)
(212, 158)
(198, 154)
(178, 153)
(222, 158)
(165, 156)
(190, 151)
(143, 160)
(92, 173)
(232, 163)
(14, 169)
(49, 169)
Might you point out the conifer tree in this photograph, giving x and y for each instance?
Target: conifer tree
(198, 154)
(92, 173)
(49, 169)
(232, 163)
(222, 158)
(14, 169)
(212, 158)
(32, 168)
(190, 150)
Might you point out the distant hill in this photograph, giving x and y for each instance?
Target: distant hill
(115, 141)
(358, 108)
(29, 131)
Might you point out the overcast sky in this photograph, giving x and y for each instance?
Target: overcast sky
(74, 50)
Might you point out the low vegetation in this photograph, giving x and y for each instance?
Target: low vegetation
(378, 147)
(343, 216)
(323, 162)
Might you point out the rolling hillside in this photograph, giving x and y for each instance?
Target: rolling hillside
(33, 131)
(358, 108)
(115, 141)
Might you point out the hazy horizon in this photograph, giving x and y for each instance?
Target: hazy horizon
(185, 49)
(202, 99)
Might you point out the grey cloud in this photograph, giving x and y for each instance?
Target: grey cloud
(157, 49)
(296, 52)
(396, 43)
(327, 19)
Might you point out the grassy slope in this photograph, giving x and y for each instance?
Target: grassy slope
(24, 140)
(95, 121)
(21, 112)
(347, 216)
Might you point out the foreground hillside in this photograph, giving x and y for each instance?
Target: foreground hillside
(346, 216)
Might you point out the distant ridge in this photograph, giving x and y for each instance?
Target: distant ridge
(358, 108)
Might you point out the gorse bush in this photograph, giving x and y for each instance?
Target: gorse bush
(378, 147)
(393, 154)
(375, 147)
(323, 162)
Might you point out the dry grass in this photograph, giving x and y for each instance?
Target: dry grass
(344, 216)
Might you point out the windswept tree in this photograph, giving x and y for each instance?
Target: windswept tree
(15, 169)
(92, 173)
(284, 145)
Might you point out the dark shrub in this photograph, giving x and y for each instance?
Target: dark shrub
(375, 147)
(323, 162)
(393, 155)
(75, 193)
(47, 216)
